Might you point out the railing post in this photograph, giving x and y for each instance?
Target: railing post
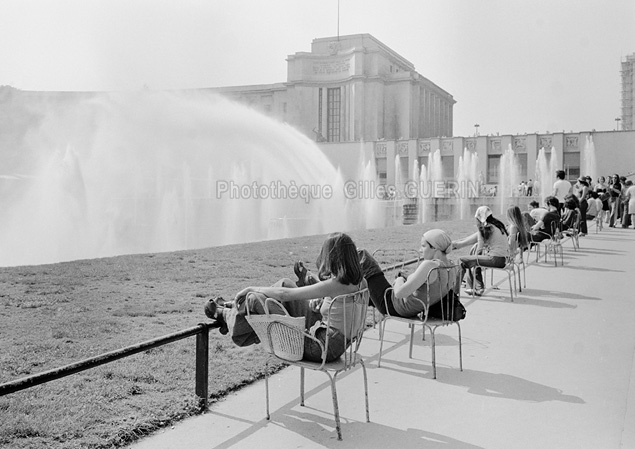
(202, 365)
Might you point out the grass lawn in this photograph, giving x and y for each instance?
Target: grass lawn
(53, 315)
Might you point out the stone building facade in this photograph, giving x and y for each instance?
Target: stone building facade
(350, 89)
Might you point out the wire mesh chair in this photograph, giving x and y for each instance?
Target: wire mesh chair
(347, 314)
(440, 280)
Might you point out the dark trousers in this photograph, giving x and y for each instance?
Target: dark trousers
(472, 266)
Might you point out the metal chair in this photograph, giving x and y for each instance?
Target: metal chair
(449, 282)
(552, 244)
(574, 231)
(512, 268)
(347, 314)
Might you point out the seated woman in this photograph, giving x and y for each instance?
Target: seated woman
(405, 299)
(518, 232)
(490, 249)
(339, 272)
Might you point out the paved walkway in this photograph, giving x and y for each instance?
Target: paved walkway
(554, 369)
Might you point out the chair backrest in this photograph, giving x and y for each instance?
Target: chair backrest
(556, 232)
(444, 285)
(346, 313)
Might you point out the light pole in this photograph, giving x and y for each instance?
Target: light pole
(617, 123)
(476, 129)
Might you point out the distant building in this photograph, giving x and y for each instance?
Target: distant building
(628, 79)
(353, 88)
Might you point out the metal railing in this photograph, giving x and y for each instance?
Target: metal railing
(202, 362)
(201, 331)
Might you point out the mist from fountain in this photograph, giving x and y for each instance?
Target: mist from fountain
(423, 194)
(508, 178)
(590, 167)
(467, 181)
(106, 174)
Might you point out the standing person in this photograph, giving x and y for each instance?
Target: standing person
(339, 272)
(615, 190)
(530, 188)
(561, 188)
(603, 194)
(630, 195)
(581, 190)
(490, 249)
(625, 199)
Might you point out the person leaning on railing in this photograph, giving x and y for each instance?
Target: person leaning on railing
(339, 273)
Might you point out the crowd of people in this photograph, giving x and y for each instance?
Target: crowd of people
(342, 268)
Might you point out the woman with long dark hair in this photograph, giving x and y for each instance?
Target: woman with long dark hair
(490, 249)
(339, 273)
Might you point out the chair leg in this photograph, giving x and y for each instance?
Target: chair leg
(336, 411)
(412, 339)
(434, 360)
(511, 291)
(460, 347)
(365, 389)
(267, 389)
(302, 386)
(382, 331)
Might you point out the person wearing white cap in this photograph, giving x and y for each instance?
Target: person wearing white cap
(490, 249)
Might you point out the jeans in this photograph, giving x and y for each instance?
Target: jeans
(474, 262)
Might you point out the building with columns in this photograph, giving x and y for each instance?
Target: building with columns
(350, 89)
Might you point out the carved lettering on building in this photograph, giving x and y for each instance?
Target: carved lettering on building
(331, 67)
(402, 148)
(380, 150)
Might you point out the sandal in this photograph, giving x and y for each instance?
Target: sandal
(212, 311)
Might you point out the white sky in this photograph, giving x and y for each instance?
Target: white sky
(513, 66)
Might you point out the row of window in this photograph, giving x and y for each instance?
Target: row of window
(571, 166)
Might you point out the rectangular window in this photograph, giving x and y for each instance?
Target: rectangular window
(447, 163)
(493, 162)
(571, 164)
(333, 103)
(522, 160)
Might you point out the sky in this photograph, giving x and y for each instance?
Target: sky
(513, 66)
